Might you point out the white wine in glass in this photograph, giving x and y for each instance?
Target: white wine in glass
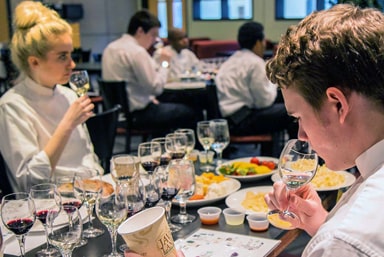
(297, 166)
(79, 82)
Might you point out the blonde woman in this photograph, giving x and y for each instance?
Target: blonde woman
(41, 129)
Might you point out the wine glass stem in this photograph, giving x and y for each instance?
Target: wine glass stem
(90, 216)
(21, 239)
(113, 234)
(167, 207)
(183, 208)
(46, 234)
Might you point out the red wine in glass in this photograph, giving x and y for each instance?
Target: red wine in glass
(151, 201)
(20, 226)
(150, 166)
(74, 203)
(177, 155)
(165, 159)
(169, 193)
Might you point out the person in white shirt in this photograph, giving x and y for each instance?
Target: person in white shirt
(247, 99)
(127, 59)
(330, 70)
(183, 61)
(41, 122)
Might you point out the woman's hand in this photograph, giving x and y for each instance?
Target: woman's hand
(78, 112)
(304, 202)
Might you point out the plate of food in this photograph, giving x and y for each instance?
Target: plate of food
(211, 188)
(326, 179)
(249, 168)
(249, 200)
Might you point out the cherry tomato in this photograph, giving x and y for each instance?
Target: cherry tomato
(255, 160)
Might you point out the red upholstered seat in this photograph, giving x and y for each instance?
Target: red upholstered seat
(211, 48)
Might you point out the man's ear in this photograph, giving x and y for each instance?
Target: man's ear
(339, 102)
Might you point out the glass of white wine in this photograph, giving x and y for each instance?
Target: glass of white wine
(297, 166)
(79, 82)
(206, 137)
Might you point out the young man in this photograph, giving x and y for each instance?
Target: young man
(246, 96)
(183, 61)
(127, 59)
(330, 70)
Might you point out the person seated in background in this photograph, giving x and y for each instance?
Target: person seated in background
(127, 59)
(247, 99)
(183, 61)
(41, 122)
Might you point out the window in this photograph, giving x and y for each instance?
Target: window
(298, 9)
(222, 9)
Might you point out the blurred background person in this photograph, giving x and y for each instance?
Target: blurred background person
(247, 99)
(41, 122)
(127, 59)
(182, 60)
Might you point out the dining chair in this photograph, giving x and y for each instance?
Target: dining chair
(115, 92)
(102, 129)
(5, 185)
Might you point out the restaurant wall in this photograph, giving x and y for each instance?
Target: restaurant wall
(263, 11)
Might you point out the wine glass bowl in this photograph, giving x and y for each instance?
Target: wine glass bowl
(124, 166)
(18, 215)
(65, 238)
(46, 198)
(297, 166)
(221, 138)
(191, 140)
(79, 82)
(206, 137)
(178, 147)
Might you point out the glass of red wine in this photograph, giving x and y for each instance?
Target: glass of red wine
(169, 188)
(71, 196)
(46, 198)
(165, 157)
(18, 214)
(178, 147)
(149, 154)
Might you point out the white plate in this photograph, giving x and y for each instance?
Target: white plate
(249, 178)
(196, 203)
(234, 200)
(349, 180)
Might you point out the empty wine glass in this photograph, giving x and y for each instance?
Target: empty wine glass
(124, 166)
(221, 138)
(18, 215)
(206, 137)
(71, 195)
(90, 182)
(65, 238)
(297, 166)
(111, 211)
(149, 154)
(165, 155)
(46, 198)
(79, 82)
(184, 171)
(191, 141)
(169, 187)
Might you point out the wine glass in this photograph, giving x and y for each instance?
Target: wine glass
(178, 147)
(206, 137)
(18, 215)
(124, 166)
(191, 141)
(71, 195)
(165, 155)
(68, 237)
(79, 82)
(133, 190)
(169, 187)
(90, 182)
(297, 166)
(149, 154)
(221, 138)
(184, 171)
(111, 211)
(46, 198)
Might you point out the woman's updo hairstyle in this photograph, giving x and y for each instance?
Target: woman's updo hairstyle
(35, 26)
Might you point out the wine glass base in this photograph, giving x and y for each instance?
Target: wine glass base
(92, 232)
(207, 168)
(82, 242)
(123, 247)
(183, 219)
(48, 252)
(114, 255)
(174, 228)
(283, 220)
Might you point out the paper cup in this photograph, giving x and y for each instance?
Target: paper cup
(147, 233)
